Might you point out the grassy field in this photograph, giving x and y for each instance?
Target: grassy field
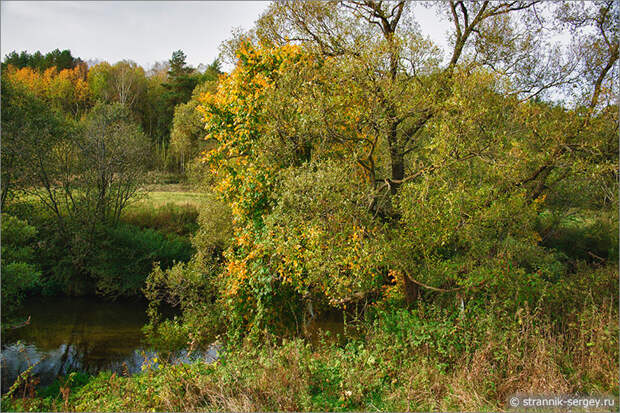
(177, 194)
(168, 207)
(154, 194)
(160, 198)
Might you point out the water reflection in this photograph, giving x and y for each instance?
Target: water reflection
(81, 334)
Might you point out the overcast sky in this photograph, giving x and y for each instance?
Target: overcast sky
(143, 31)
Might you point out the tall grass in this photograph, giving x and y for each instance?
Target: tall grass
(169, 217)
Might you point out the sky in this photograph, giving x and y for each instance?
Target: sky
(143, 31)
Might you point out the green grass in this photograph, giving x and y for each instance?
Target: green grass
(159, 198)
(170, 208)
(155, 194)
(167, 216)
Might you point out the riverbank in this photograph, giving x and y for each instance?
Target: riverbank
(404, 361)
(83, 336)
(108, 259)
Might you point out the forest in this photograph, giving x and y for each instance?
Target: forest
(353, 217)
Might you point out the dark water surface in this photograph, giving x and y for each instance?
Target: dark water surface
(84, 334)
(90, 335)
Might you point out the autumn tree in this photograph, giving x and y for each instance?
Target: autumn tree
(377, 69)
(415, 160)
(65, 90)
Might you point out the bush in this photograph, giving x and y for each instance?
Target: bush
(19, 270)
(190, 287)
(592, 239)
(127, 254)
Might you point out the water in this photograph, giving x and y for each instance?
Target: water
(90, 335)
(80, 334)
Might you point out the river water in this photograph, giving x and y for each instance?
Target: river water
(80, 334)
(89, 334)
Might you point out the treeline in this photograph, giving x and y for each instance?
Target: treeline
(68, 85)
(59, 59)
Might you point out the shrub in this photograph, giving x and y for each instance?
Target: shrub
(19, 270)
(190, 287)
(580, 237)
(127, 254)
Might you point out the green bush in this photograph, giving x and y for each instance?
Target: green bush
(192, 287)
(127, 254)
(593, 239)
(20, 273)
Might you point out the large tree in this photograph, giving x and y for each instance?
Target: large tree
(433, 171)
(380, 73)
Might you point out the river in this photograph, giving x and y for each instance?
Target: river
(83, 334)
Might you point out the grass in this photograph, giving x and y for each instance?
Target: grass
(157, 195)
(159, 198)
(171, 208)
(170, 217)
(154, 194)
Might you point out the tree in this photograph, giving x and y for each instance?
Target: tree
(392, 82)
(30, 129)
(376, 35)
(415, 161)
(124, 82)
(187, 134)
(85, 174)
(210, 72)
(178, 66)
(110, 160)
(181, 79)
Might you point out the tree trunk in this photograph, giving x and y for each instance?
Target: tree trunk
(397, 161)
(410, 289)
